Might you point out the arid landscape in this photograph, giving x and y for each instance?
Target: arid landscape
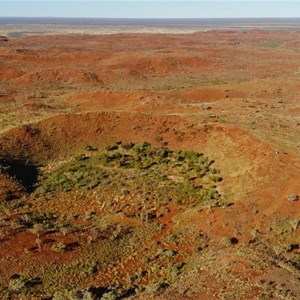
(150, 166)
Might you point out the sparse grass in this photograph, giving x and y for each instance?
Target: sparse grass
(134, 181)
(135, 219)
(269, 44)
(183, 176)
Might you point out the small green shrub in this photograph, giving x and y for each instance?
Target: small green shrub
(60, 247)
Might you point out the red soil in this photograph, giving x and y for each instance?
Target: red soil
(232, 95)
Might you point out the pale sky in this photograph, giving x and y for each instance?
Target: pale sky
(151, 8)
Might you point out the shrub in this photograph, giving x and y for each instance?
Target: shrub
(60, 247)
(16, 283)
(90, 148)
(81, 157)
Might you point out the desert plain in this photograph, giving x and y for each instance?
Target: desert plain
(150, 166)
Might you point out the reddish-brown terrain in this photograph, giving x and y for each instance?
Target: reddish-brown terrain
(232, 95)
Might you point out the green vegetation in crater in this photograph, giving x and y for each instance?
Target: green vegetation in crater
(139, 168)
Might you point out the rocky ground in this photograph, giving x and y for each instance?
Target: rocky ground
(160, 166)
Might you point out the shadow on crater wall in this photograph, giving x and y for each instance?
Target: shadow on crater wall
(24, 172)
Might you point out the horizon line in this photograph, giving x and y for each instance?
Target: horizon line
(152, 18)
